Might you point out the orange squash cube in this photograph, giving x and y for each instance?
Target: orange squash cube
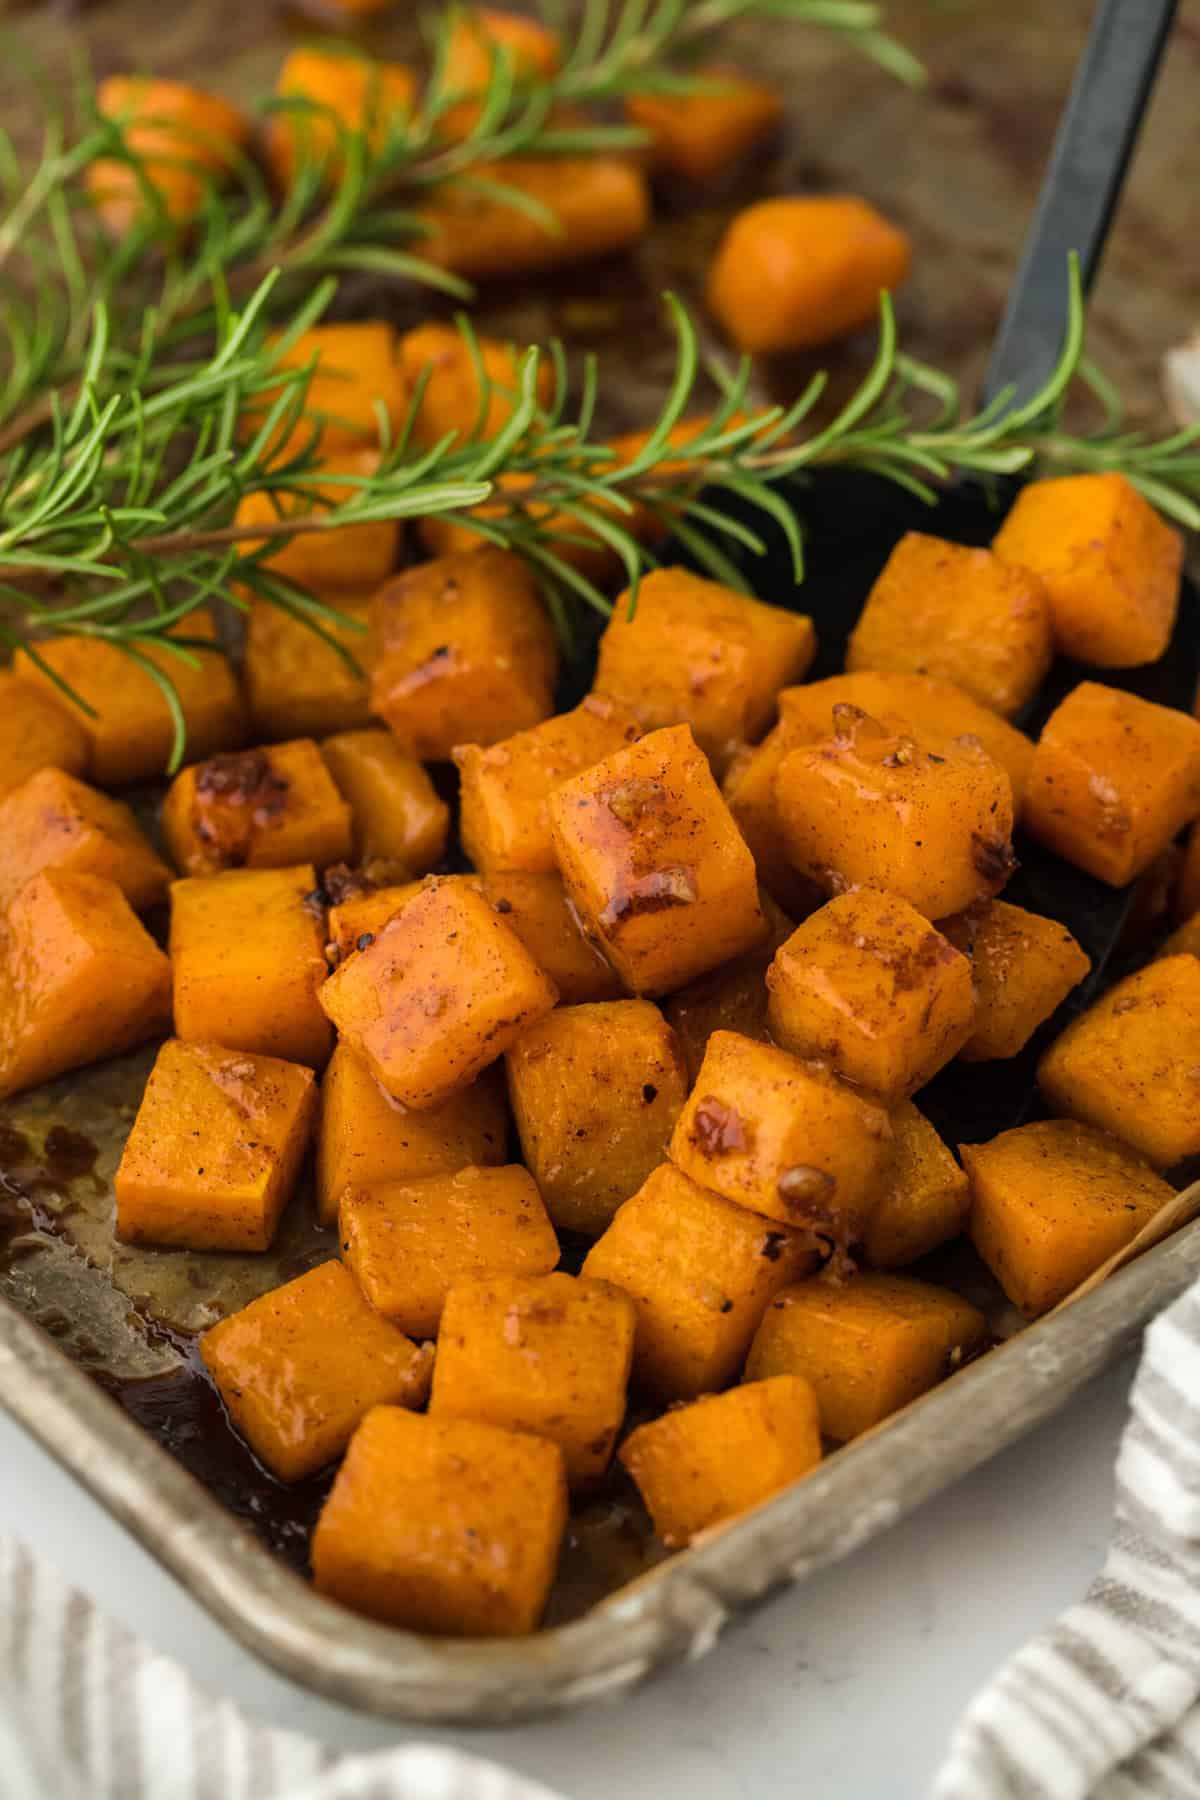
(356, 921)
(965, 615)
(247, 957)
(395, 809)
(732, 998)
(1114, 779)
(301, 1367)
(480, 31)
(873, 807)
(1110, 564)
(1052, 1201)
(327, 557)
(355, 371)
(256, 809)
(366, 1137)
(708, 1462)
(462, 651)
(37, 732)
(924, 1199)
(784, 1138)
(868, 985)
(868, 1346)
(535, 908)
(442, 991)
(185, 141)
(699, 135)
(297, 685)
(799, 271)
(451, 399)
(215, 1149)
(443, 1525)
(505, 788)
(595, 1091)
(1131, 1064)
(80, 979)
(654, 865)
(601, 203)
(336, 91)
(1023, 966)
(701, 1273)
(546, 1354)
(696, 653)
(54, 821)
(408, 1242)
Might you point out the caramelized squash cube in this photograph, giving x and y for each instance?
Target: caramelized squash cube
(535, 907)
(601, 203)
(732, 998)
(595, 1091)
(1023, 967)
(708, 1462)
(355, 371)
(698, 136)
(327, 558)
(395, 808)
(443, 1525)
(868, 1346)
(408, 1242)
(297, 685)
(256, 809)
(654, 865)
(868, 985)
(37, 732)
(54, 821)
(451, 399)
(335, 91)
(924, 1199)
(184, 140)
(301, 1367)
(356, 921)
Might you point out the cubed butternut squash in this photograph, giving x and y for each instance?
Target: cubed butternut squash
(185, 140)
(322, 557)
(395, 809)
(923, 1202)
(1023, 967)
(297, 684)
(355, 371)
(601, 203)
(732, 998)
(54, 821)
(333, 91)
(37, 732)
(535, 907)
(698, 135)
(256, 809)
(356, 921)
(442, 376)
(479, 32)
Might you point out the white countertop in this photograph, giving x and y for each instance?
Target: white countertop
(845, 1688)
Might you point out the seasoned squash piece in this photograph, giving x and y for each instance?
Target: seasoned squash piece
(945, 609)
(37, 732)
(55, 822)
(1114, 779)
(701, 1273)
(872, 807)
(300, 1367)
(654, 865)
(1023, 966)
(796, 272)
(535, 907)
(327, 557)
(247, 956)
(1052, 1201)
(595, 1091)
(256, 809)
(395, 808)
(336, 90)
(505, 789)
(451, 399)
(355, 922)
(699, 135)
(477, 34)
(297, 685)
(409, 1241)
(462, 651)
(923, 1202)
(442, 991)
(215, 1149)
(355, 371)
(868, 985)
(366, 1137)
(708, 1462)
(547, 1354)
(80, 979)
(1110, 565)
(784, 1138)
(443, 1525)
(732, 998)
(130, 729)
(868, 1346)
(185, 140)
(696, 653)
(601, 203)
(1131, 1064)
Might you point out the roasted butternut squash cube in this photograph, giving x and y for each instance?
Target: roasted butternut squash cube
(1131, 1064)
(1114, 779)
(462, 651)
(480, 31)
(601, 203)
(451, 398)
(965, 615)
(247, 957)
(356, 921)
(546, 1354)
(440, 993)
(699, 135)
(409, 1241)
(37, 732)
(797, 272)
(256, 809)
(335, 91)
(355, 371)
(327, 557)
(184, 139)
(654, 865)
(868, 1346)
(535, 907)
(595, 1092)
(215, 1149)
(395, 809)
(300, 1367)
(873, 807)
(366, 1137)
(1051, 1202)
(700, 1272)
(53, 821)
(443, 1525)
(867, 984)
(924, 1199)
(1110, 564)
(297, 684)
(784, 1137)
(732, 998)
(702, 1464)
(692, 652)
(1023, 967)
(130, 729)
(80, 979)
(505, 788)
